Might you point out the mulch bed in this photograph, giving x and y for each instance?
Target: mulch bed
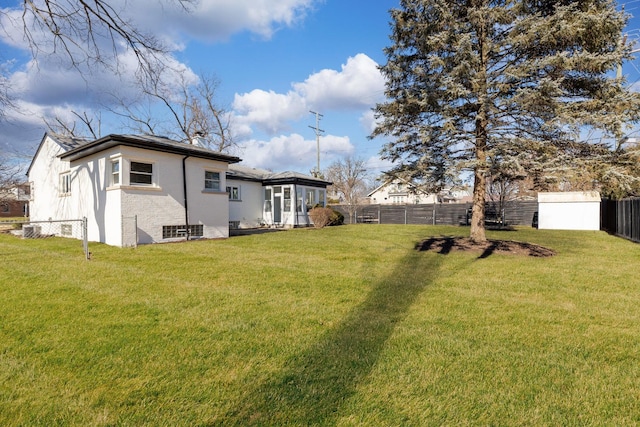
(444, 245)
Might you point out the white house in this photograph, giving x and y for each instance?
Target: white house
(132, 189)
(259, 197)
(401, 192)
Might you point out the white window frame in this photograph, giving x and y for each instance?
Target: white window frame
(65, 183)
(234, 193)
(210, 182)
(116, 175)
(141, 173)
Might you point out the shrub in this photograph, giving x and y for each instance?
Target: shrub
(323, 217)
(336, 218)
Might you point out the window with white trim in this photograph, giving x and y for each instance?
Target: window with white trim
(287, 199)
(234, 192)
(212, 181)
(141, 173)
(311, 199)
(115, 172)
(65, 183)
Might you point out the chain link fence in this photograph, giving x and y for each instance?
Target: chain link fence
(69, 228)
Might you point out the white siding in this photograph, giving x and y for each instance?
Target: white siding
(248, 210)
(44, 175)
(105, 205)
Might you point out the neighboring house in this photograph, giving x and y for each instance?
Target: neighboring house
(258, 197)
(400, 192)
(14, 201)
(132, 189)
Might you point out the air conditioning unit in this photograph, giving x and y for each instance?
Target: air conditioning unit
(31, 231)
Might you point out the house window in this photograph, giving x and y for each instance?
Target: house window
(299, 202)
(311, 199)
(287, 199)
(65, 183)
(115, 172)
(234, 193)
(321, 197)
(174, 231)
(212, 181)
(267, 200)
(4, 207)
(141, 173)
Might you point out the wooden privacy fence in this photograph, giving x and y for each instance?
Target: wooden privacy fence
(621, 217)
(514, 213)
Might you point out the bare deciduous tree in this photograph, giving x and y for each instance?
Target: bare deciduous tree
(10, 178)
(192, 107)
(90, 125)
(89, 32)
(349, 177)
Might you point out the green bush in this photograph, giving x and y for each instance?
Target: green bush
(336, 217)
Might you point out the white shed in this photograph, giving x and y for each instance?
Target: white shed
(578, 210)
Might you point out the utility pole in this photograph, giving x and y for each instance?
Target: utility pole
(318, 131)
(619, 70)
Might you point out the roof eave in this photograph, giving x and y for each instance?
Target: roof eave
(111, 141)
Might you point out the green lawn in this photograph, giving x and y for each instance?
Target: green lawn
(340, 326)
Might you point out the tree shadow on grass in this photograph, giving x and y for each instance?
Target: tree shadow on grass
(313, 385)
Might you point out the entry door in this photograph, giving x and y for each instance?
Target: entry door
(277, 209)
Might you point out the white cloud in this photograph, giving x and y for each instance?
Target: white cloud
(368, 121)
(294, 152)
(216, 20)
(269, 111)
(358, 85)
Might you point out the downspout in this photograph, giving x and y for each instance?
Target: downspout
(186, 199)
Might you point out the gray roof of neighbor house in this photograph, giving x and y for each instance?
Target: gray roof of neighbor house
(244, 173)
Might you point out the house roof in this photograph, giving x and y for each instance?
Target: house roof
(66, 142)
(147, 142)
(244, 173)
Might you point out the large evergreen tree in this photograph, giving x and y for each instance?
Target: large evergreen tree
(486, 85)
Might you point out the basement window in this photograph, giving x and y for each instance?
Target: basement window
(177, 231)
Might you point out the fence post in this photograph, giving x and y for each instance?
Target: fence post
(85, 238)
(433, 216)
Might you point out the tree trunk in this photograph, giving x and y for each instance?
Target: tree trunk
(477, 211)
(477, 233)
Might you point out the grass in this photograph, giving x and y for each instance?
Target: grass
(340, 326)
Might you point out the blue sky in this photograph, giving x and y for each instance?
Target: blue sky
(276, 60)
